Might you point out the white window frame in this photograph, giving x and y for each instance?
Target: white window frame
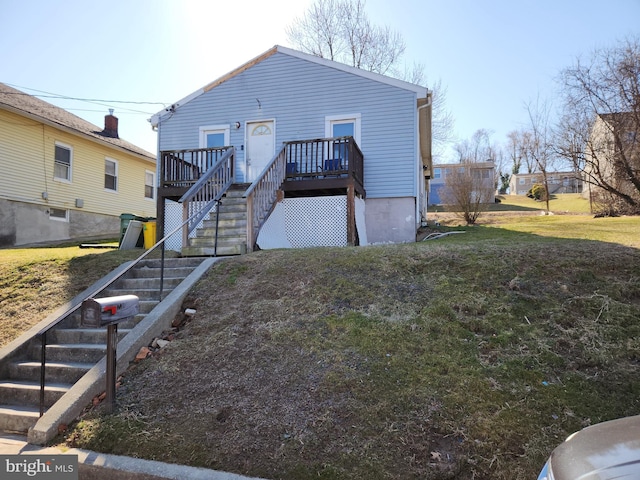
(204, 131)
(115, 162)
(354, 118)
(437, 173)
(55, 162)
(59, 219)
(153, 185)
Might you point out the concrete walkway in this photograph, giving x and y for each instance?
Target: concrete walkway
(99, 466)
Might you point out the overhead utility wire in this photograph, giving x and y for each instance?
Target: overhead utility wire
(95, 101)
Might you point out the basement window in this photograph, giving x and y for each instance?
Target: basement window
(59, 214)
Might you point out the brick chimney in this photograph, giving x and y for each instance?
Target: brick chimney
(110, 125)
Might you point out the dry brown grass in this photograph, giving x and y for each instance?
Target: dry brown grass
(467, 357)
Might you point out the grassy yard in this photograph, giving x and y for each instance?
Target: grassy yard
(467, 357)
(35, 281)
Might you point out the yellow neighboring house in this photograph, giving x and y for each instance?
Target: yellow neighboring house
(63, 178)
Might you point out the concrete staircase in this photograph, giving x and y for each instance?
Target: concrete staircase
(72, 350)
(232, 228)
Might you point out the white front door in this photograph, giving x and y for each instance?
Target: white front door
(260, 147)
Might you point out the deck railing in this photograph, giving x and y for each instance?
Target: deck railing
(210, 170)
(318, 159)
(183, 168)
(209, 189)
(262, 194)
(324, 157)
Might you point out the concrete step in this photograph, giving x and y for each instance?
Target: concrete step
(80, 352)
(83, 335)
(63, 372)
(133, 284)
(23, 392)
(74, 321)
(154, 272)
(18, 418)
(209, 251)
(176, 262)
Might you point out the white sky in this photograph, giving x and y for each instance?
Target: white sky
(492, 55)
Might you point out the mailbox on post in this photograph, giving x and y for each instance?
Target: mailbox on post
(109, 311)
(100, 312)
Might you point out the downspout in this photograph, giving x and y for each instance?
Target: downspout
(424, 129)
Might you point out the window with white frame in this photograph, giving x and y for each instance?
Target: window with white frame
(437, 173)
(213, 136)
(63, 158)
(59, 214)
(521, 181)
(149, 184)
(110, 174)
(342, 126)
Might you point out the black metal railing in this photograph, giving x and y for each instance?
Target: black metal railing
(97, 291)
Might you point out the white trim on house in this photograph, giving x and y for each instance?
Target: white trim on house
(247, 123)
(420, 91)
(204, 131)
(66, 146)
(330, 120)
(154, 192)
(115, 175)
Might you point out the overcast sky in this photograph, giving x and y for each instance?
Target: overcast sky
(492, 55)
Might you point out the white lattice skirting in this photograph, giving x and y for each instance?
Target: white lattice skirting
(310, 222)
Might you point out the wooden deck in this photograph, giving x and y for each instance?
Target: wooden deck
(302, 168)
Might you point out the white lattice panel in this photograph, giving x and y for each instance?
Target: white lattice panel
(316, 221)
(172, 220)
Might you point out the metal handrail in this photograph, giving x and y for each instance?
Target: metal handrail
(210, 187)
(42, 333)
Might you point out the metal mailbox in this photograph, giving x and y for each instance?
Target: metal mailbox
(99, 312)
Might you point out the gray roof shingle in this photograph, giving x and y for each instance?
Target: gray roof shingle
(23, 103)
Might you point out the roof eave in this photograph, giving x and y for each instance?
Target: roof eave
(73, 131)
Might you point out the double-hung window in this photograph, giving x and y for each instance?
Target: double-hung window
(149, 184)
(110, 174)
(63, 157)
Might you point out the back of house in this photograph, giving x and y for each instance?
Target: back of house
(285, 96)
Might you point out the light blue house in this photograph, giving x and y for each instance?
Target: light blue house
(313, 152)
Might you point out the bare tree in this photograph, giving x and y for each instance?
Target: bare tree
(541, 148)
(519, 147)
(340, 30)
(600, 129)
(467, 193)
(478, 148)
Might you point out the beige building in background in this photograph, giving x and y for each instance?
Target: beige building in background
(559, 182)
(65, 178)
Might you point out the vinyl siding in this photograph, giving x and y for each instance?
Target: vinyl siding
(299, 94)
(27, 157)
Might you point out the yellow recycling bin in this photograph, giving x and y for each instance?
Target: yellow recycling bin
(149, 232)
